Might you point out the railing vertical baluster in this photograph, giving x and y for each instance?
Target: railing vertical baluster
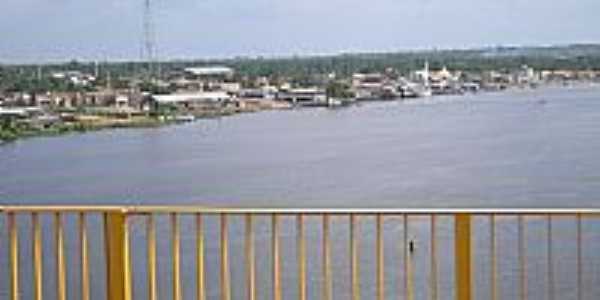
(127, 259)
(250, 258)
(327, 288)
(579, 259)
(276, 259)
(407, 262)
(522, 265)
(200, 287)
(462, 244)
(380, 258)
(61, 276)
(175, 251)
(151, 253)
(493, 275)
(301, 253)
(434, 268)
(38, 285)
(13, 232)
(225, 279)
(354, 258)
(550, 262)
(83, 255)
(117, 255)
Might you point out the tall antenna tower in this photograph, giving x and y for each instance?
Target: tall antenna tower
(149, 44)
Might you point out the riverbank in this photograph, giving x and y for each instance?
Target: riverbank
(99, 119)
(78, 124)
(95, 120)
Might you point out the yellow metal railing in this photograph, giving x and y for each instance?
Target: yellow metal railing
(118, 254)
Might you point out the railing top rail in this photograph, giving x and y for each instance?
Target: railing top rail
(185, 209)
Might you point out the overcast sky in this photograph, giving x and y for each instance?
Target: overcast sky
(43, 30)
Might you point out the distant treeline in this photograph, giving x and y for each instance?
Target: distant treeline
(574, 57)
(577, 57)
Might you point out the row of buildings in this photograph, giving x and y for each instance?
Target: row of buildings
(198, 89)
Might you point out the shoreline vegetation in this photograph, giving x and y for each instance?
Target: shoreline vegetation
(82, 123)
(13, 133)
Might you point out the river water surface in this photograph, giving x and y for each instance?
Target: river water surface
(522, 148)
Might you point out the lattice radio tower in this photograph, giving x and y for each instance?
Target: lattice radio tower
(149, 43)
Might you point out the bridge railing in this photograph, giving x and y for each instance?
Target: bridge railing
(118, 254)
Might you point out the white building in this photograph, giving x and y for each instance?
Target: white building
(122, 101)
(75, 77)
(209, 71)
(191, 98)
(527, 75)
(265, 92)
(230, 87)
(299, 95)
(372, 86)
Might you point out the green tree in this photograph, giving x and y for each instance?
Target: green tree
(336, 89)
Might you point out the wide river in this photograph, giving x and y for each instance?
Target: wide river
(521, 148)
